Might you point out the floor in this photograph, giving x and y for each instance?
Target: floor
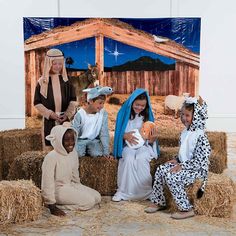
(128, 218)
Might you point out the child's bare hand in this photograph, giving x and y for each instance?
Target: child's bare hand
(55, 210)
(173, 161)
(63, 118)
(54, 116)
(153, 135)
(176, 169)
(131, 138)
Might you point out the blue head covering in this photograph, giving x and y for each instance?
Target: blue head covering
(123, 118)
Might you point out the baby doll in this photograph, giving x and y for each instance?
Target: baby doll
(142, 135)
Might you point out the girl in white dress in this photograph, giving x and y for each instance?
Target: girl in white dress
(134, 178)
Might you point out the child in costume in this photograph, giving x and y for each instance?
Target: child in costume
(54, 96)
(61, 185)
(190, 164)
(91, 123)
(134, 178)
(142, 135)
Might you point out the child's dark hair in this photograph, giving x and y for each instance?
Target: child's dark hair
(102, 97)
(145, 112)
(189, 107)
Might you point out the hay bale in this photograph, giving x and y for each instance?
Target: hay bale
(99, 173)
(28, 166)
(15, 142)
(217, 200)
(19, 201)
(168, 137)
(218, 159)
(218, 162)
(218, 141)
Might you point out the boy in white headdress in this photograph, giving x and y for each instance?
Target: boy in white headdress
(54, 95)
(91, 123)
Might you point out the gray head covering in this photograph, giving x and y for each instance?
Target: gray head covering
(97, 91)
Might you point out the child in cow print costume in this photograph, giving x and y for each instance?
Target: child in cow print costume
(190, 164)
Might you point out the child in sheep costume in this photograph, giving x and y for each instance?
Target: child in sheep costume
(190, 164)
(61, 185)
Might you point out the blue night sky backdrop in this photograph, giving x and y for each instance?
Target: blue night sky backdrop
(185, 31)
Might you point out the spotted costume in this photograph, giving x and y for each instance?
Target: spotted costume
(193, 157)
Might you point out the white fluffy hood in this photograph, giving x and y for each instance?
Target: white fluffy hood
(56, 136)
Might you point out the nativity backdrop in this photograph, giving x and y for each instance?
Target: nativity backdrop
(160, 55)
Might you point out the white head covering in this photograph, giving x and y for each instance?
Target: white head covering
(51, 55)
(97, 91)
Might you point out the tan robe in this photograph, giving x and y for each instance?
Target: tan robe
(60, 178)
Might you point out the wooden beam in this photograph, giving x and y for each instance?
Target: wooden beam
(32, 74)
(100, 55)
(65, 35)
(147, 43)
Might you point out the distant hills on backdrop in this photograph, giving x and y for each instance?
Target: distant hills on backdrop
(143, 63)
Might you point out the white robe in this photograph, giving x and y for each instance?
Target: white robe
(134, 178)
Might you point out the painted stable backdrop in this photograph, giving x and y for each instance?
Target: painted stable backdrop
(217, 75)
(160, 55)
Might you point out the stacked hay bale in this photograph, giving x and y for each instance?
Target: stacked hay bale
(99, 173)
(216, 201)
(15, 142)
(28, 166)
(20, 201)
(218, 158)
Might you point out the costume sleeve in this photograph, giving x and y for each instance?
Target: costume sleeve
(38, 104)
(48, 180)
(75, 170)
(70, 111)
(77, 123)
(104, 134)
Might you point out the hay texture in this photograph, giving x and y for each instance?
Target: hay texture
(217, 200)
(20, 201)
(99, 173)
(168, 137)
(15, 142)
(28, 166)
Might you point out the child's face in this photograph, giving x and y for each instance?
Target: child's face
(57, 65)
(187, 117)
(69, 140)
(97, 105)
(139, 105)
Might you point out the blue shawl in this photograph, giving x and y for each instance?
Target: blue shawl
(123, 118)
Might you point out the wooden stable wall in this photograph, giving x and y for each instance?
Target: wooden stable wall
(33, 70)
(160, 83)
